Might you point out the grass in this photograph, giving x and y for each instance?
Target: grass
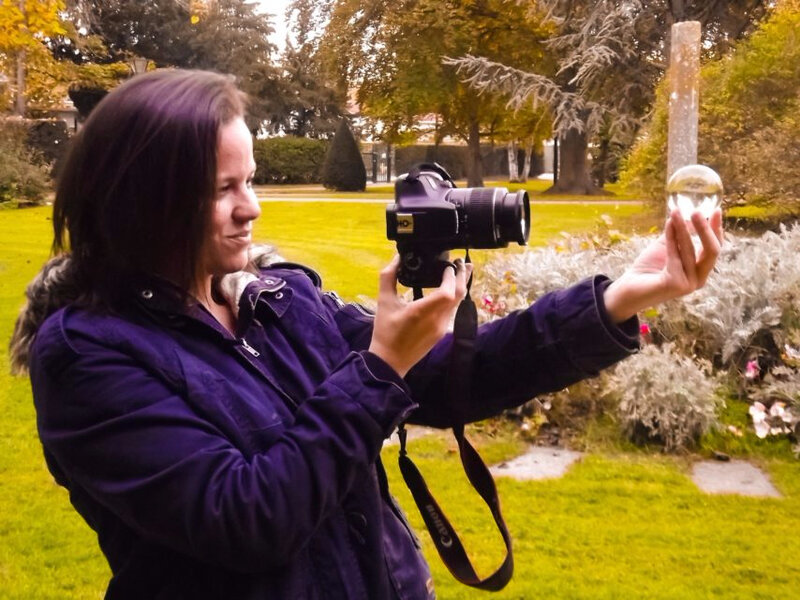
(346, 242)
(619, 525)
(535, 188)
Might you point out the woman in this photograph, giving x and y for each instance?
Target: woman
(219, 425)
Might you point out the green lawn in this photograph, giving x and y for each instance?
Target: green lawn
(346, 242)
(385, 191)
(619, 525)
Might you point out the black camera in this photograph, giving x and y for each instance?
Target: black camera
(430, 216)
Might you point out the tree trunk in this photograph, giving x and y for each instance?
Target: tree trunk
(475, 163)
(600, 167)
(526, 167)
(20, 104)
(513, 165)
(573, 175)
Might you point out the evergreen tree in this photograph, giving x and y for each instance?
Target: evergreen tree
(344, 169)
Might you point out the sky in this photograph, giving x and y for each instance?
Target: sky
(278, 9)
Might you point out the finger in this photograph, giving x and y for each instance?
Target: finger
(441, 297)
(716, 225)
(710, 250)
(387, 283)
(674, 264)
(462, 276)
(449, 277)
(685, 248)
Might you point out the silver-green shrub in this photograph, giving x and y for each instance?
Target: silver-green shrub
(753, 292)
(749, 309)
(665, 397)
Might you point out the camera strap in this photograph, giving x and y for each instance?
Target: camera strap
(444, 536)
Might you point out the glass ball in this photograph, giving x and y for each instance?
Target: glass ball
(694, 188)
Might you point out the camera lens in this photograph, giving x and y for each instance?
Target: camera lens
(514, 217)
(492, 217)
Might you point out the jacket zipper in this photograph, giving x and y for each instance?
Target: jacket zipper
(249, 348)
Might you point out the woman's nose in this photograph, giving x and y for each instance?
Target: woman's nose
(248, 208)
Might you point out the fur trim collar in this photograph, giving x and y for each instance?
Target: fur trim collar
(54, 287)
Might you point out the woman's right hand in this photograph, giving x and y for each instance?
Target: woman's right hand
(404, 332)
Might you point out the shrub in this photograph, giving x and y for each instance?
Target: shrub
(344, 169)
(665, 397)
(23, 177)
(747, 311)
(289, 160)
(86, 98)
(747, 306)
(48, 138)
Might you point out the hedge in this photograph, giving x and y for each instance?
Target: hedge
(289, 160)
(455, 159)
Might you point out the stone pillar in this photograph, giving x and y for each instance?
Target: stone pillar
(684, 95)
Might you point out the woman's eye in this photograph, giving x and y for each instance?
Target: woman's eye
(250, 183)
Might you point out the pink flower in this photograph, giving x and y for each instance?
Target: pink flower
(644, 329)
(752, 370)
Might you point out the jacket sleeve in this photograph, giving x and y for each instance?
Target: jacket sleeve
(132, 443)
(562, 338)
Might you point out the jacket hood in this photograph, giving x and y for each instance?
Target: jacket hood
(54, 287)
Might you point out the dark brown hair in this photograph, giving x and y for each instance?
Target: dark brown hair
(136, 189)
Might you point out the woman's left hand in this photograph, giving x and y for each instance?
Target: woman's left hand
(668, 268)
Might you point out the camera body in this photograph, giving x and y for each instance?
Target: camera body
(430, 216)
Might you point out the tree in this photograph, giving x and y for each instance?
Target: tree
(749, 107)
(308, 107)
(610, 57)
(391, 53)
(223, 35)
(24, 25)
(344, 169)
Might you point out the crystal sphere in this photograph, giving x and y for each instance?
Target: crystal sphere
(694, 188)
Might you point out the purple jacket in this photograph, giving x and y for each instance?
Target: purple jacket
(214, 466)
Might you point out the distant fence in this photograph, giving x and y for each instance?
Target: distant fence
(384, 162)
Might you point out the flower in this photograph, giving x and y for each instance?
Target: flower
(775, 421)
(644, 329)
(752, 369)
(759, 414)
(791, 355)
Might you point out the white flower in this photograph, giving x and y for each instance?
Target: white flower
(776, 410)
(762, 429)
(758, 411)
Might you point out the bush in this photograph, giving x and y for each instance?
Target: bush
(48, 139)
(665, 397)
(85, 99)
(23, 176)
(747, 313)
(289, 160)
(344, 169)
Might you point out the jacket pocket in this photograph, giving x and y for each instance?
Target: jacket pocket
(238, 405)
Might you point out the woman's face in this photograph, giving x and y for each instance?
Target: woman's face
(235, 206)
